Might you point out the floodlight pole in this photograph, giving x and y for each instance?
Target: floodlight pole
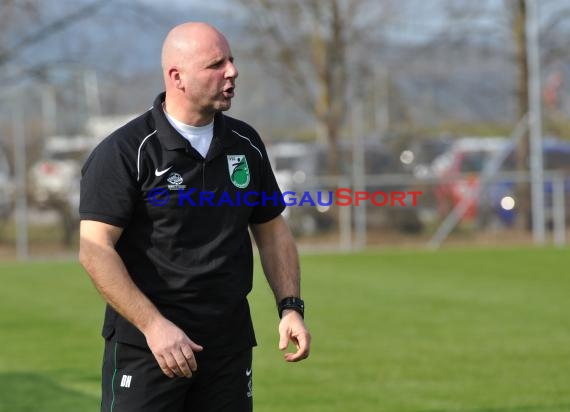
(91, 86)
(21, 210)
(535, 120)
(49, 110)
(358, 175)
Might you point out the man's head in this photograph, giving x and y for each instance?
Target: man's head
(199, 73)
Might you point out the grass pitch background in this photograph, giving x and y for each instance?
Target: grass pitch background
(456, 330)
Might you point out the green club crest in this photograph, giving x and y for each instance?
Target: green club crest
(239, 171)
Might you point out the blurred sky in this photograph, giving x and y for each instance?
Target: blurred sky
(123, 45)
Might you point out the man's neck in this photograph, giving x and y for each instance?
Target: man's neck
(185, 116)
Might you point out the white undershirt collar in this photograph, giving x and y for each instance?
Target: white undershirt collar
(200, 137)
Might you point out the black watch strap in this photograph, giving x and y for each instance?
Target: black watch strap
(292, 303)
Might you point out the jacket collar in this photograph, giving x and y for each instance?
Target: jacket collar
(172, 140)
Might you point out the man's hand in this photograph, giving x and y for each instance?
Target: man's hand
(173, 350)
(292, 328)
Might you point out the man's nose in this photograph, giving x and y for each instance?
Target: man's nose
(231, 70)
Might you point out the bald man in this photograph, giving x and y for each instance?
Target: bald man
(166, 204)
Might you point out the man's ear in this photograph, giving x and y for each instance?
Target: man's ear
(175, 77)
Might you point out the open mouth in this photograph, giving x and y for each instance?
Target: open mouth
(229, 92)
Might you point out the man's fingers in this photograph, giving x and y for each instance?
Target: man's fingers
(178, 365)
(173, 351)
(302, 342)
(297, 356)
(190, 358)
(195, 347)
(172, 365)
(183, 364)
(164, 366)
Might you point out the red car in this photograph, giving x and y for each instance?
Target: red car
(458, 170)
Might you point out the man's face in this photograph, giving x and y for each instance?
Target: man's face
(209, 75)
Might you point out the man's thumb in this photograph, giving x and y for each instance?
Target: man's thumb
(283, 342)
(196, 348)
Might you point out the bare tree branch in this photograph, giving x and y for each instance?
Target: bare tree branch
(50, 29)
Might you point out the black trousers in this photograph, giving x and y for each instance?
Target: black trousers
(133, 382)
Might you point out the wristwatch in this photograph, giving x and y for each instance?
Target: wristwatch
(292, 303)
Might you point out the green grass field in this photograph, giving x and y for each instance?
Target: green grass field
(396, 331)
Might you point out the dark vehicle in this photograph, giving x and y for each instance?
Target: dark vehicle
(503, 203)
(418, 156)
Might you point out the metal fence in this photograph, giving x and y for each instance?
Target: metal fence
(402, 210)
(392, 210)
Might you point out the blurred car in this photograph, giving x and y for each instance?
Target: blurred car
(418, 156)
(458, 170)
(293, 162)
(302, 167)
(53, 179)
(502, 202)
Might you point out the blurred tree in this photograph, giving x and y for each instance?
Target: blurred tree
(500, 29)
(552, 28)
(315, 50)
(24, 24)
(517, 12)
(48, 58)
